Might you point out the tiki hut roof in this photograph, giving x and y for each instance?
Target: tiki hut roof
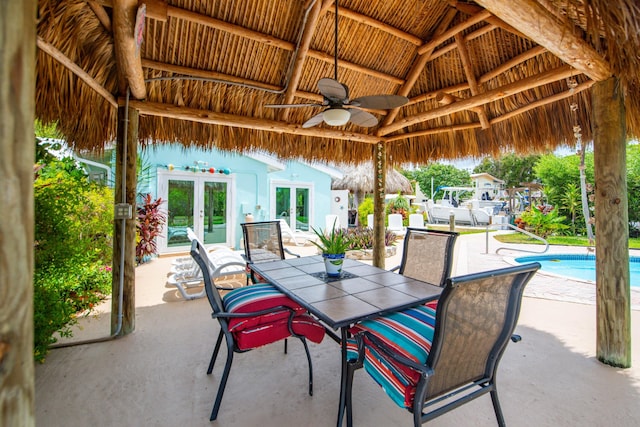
(360, 179)
(482, 77)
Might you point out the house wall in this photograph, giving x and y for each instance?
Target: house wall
(253, 183)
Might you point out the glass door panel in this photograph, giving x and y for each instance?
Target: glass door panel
(180, 206)
(302, 210)
(283, 204)
(214, 212)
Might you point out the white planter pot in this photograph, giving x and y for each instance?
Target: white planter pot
(333, 264)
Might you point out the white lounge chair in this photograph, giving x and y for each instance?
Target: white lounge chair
(416, 220)
(370, 220)
(222, 262)
(395, 223)
(299, 237)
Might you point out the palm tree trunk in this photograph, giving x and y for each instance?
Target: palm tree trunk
(583, 192)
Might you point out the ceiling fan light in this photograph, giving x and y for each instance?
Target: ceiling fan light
(336, 116)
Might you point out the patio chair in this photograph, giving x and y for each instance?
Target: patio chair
(430, 361)
(427, 255)
(395, 223)
(251, 317)
(263, 242)
(416, 220)
(298, 237)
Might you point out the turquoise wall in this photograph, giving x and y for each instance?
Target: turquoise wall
(253, 178)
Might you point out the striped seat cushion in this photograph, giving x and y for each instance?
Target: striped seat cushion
(255, 331)
(408, 333)
(261, 296)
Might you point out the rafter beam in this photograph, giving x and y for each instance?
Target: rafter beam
(489, 96)
(127, 53)
(433, 43)
(101, 14)
(76, 69)
(541, 26)
(418, 65)
(301, 54)
(224, 119)
(471, 78)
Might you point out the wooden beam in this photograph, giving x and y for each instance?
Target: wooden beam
(470, 36)
(205, 74)
(544, 101)
(126, 51)
(224, 119)
(374, 23)
(433, 43)
(17, 113)
(471, 78)
(272, 41)
(156, 9)
(380, 179)
(75, 69)
(493, 95)
(613, 300)
(538, 24)
(301, 54)
(101, 14)
(471, 9)
(516, 60)
(433, 131)
(418, 65)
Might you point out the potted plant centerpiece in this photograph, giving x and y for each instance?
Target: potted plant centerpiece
(333, 246)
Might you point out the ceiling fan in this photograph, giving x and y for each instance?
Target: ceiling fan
(339, 108)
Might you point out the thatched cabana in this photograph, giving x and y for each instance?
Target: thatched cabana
(481, 77)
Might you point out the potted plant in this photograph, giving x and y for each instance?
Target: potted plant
(333, 246)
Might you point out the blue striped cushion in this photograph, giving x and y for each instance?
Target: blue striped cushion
(409, 333)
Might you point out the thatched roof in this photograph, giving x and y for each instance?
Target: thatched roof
(479, 81)
(360, 179)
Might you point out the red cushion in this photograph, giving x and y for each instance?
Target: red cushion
(267, 333)
(256, 298)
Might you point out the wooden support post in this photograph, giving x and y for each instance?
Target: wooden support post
(612, 225)
(124, 236)
(379, 169)
(17, 108)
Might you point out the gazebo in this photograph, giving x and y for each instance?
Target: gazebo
(480, 77)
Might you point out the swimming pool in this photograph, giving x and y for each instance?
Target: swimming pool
(582, 267)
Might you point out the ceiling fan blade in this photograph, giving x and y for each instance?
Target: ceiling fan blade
(380, 102)
(313, 121)
(333, 89)
(362, 118)
(292, 105)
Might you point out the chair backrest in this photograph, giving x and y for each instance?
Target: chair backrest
(370, 220)
(199, 255)
(262, 241)
(428, 255)
(395, 222)
(416, 220)
(475, 319)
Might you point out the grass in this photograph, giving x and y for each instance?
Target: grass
(634, 243)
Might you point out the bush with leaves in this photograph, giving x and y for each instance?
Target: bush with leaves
(543, 220)
(149, 223)
(72, 248)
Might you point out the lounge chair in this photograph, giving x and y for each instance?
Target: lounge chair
(298, 237)
(433, 358)
(395, 223)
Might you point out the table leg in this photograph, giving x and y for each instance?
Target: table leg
(343, 379)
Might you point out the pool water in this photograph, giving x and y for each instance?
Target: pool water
(581, 267)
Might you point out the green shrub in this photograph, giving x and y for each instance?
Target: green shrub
(362, 238)
(72, 248)
(543, 220)
(365, 208)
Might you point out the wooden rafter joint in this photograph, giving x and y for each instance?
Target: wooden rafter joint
(446, 99)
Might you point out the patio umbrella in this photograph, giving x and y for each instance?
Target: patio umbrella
(360, 180)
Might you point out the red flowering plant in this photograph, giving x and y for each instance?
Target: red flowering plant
(149, 223)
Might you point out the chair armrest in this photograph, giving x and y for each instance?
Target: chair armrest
(291, 253)
(396, 268)
(227, 315)
(422, 369)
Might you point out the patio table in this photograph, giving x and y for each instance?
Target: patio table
(361, 292)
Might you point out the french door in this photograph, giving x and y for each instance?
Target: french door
(292, 203)
(202, 203)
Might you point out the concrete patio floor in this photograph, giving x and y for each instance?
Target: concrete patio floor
(157, 375)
